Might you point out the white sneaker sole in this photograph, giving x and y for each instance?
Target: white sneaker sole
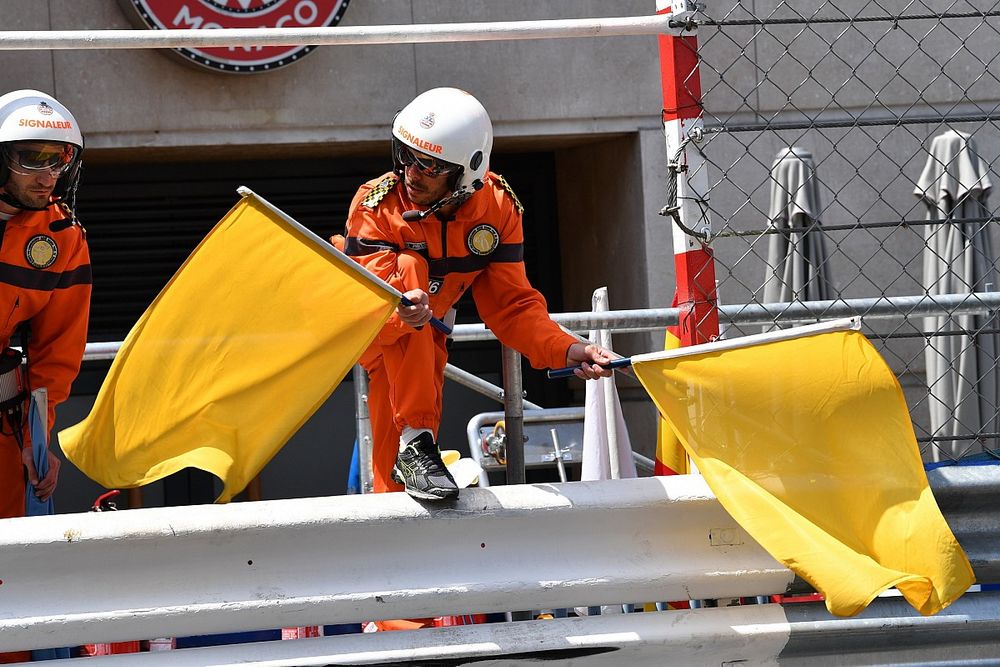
(417, 493)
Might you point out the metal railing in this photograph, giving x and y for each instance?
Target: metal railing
(739, 316)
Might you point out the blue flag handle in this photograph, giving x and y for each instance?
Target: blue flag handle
(624, 362)
(435, 322)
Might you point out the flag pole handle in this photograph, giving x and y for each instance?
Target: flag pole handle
(435, 322)
(624, 362)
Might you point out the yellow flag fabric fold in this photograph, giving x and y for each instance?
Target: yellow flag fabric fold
(246, 341)
(808, 444)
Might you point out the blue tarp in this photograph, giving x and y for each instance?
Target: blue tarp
(989, 458)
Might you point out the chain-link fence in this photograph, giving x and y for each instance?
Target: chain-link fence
(850, 148)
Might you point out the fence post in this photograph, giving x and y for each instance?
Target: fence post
(364, 428)
(513, 408)
(693, 261)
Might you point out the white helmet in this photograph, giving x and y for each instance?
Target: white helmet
(31, 115)
(453, 127)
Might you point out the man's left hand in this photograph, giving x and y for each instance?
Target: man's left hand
(587, 357)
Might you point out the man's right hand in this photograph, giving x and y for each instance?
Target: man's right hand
(43, 488)
(419, 313)
(586, 358)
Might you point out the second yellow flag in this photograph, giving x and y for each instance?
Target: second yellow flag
(808, 444)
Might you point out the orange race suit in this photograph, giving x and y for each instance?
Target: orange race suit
(480, 248)
(45, 282)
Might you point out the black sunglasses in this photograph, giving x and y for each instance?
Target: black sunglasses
(430, 166)
(36, 156)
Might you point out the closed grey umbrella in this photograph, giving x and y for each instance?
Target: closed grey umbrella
(961, 356)
(796, 256)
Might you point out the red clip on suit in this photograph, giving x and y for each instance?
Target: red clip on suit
(45, 280)
(481, 248)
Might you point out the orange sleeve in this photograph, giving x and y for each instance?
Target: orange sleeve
(515, 311)
(59, 331)
(377, 244)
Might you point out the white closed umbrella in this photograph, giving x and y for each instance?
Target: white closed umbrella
(961, 356)
(607, 450)
(796, 256)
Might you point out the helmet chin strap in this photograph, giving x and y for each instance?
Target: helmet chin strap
(456, 197)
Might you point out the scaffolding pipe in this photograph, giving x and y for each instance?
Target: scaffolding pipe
(480, 386)
(429, 33)
(534, 416)
(513, 410)
(653, 319)
(363, 425)
(941, 305)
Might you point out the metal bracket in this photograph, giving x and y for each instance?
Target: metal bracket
(682, 15)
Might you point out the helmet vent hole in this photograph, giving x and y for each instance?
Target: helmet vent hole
(477, 159)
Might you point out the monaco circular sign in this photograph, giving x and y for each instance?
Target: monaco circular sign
(180, 14)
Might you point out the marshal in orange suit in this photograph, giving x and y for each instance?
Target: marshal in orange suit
(439, 224)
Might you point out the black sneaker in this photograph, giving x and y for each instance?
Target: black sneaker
(420, 469)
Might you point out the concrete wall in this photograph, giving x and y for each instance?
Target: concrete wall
(143, 98)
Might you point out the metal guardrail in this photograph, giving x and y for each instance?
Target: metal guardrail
(793, 634)
(969, 497)
(227, 568)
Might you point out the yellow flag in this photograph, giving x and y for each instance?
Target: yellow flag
(808, 444)
(246, 341)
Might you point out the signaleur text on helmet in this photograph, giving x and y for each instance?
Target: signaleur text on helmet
(422, 144)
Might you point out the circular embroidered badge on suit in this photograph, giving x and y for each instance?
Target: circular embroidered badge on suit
(483, 240)
(41, 251)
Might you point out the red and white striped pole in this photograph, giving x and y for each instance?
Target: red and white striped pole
(693, 260)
